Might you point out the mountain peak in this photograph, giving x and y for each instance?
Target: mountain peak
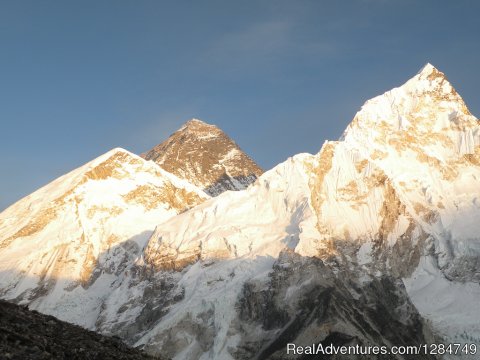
(428, 69)
(430, 79)
(111, 153)
(426, 103)
(195, 120)
(205, 156)
(431, 83)
(195, 123)
(425, 116)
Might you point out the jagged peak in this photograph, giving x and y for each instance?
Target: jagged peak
(427, 69)
(424, 104)
(206, 156)
(433, 79)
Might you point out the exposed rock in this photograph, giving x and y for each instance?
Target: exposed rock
(304, 302)
(29, 335)
(204, 155)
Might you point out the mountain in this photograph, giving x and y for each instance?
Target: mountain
(372, 241)
(67, 244)
(254, 278)
(394, 202)
(205, 156)
(406, 191)
(29, 335)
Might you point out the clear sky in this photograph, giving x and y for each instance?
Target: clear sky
(78, 78)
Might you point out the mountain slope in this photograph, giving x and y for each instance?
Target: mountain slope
(425, 140)
(66, 245)
(205, 156)
(403, 185)
(29, 335)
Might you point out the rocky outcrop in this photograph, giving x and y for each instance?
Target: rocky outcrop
(29, 335)
(306, 302)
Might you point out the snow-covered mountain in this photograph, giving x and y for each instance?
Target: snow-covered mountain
(372, 241)
(254, 277)
(205, 156)
(66, 244)
(403, 184)
(395, 198)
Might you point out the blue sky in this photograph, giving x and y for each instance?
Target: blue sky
(78, 78)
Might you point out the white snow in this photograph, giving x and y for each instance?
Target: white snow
(452, 307)
(364, 254)
(85, 229)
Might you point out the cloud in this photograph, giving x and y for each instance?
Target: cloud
(263, 45)
(258, 42)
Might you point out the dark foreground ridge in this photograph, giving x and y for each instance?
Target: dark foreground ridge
(29, 335)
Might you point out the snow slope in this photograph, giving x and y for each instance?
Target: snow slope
(421, 144)
(63, 247)
(260, 221)
(425, 140)
(227, 255)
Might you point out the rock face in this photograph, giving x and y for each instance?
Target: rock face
(29, 335)
(205, 156)
(372, 241)
(325, 308)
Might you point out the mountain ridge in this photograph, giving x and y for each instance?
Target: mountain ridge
(374, 201)
(75, 235)
(26, 334)
(384, 217)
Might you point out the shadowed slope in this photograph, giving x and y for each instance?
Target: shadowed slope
(26, 334)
